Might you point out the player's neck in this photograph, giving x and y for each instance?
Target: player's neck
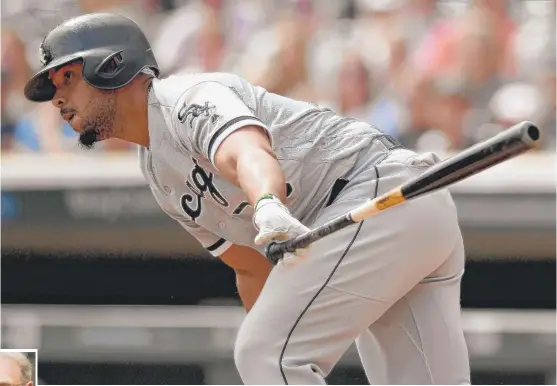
(133, 125)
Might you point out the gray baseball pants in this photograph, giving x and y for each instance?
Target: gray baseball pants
(390, 283)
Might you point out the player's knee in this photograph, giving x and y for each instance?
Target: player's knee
(242, 353)
(251, 351)
(258, 359)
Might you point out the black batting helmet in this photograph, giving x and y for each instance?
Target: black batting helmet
(113, 50)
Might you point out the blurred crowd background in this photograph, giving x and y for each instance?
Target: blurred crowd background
(436, 74)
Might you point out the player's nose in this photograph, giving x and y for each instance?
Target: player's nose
(59, 100)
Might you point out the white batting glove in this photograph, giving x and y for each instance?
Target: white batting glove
(275, 223)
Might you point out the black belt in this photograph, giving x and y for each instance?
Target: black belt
(389, 142)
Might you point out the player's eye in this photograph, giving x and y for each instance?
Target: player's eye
(68, 75)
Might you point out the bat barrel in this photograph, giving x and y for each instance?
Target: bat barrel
(511, 142)
(530, 132)
(525, 132)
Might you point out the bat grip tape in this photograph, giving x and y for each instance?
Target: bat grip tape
(275, 250)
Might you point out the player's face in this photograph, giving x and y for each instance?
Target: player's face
(89, 111)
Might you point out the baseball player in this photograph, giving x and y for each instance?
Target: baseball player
(239, 167)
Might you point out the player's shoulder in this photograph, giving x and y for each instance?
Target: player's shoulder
(168, 91)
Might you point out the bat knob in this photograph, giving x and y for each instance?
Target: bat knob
(274, 252)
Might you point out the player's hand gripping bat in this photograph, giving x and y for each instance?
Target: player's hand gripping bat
(505, 145)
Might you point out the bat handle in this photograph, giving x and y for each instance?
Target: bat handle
(276, 250)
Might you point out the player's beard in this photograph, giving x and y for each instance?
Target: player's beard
(101, 125)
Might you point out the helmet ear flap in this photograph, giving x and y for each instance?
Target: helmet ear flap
(112, 66)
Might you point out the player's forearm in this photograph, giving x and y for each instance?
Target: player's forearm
(246, 159)
(249, 287)
(258, 173)
(252, 270)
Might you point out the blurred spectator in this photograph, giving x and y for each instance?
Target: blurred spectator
(446, 115)
(378, 33)
(354, 87)
(286, 71)
(419, 16)
(8, 120)
(437, 74)
(15, 72)
(548, 119)
(194, 39)
(471, 48)
(210, 48)
(143, 12)
(25, 126)
(418, 104)
(484, 24)
(520, 101)
(173, 42)
(479, 56)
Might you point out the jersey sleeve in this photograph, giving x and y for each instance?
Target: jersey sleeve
(214, 244)
(209, 112)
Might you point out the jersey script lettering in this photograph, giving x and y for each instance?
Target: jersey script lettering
(199, 183)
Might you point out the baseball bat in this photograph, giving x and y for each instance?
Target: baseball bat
(483, 155)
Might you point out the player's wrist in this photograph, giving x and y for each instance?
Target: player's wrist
(267, 209)
(268, 198)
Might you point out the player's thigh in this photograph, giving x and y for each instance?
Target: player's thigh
(395, 249)
(419, 340)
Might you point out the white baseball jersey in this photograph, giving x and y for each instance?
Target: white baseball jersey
(189, 117)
